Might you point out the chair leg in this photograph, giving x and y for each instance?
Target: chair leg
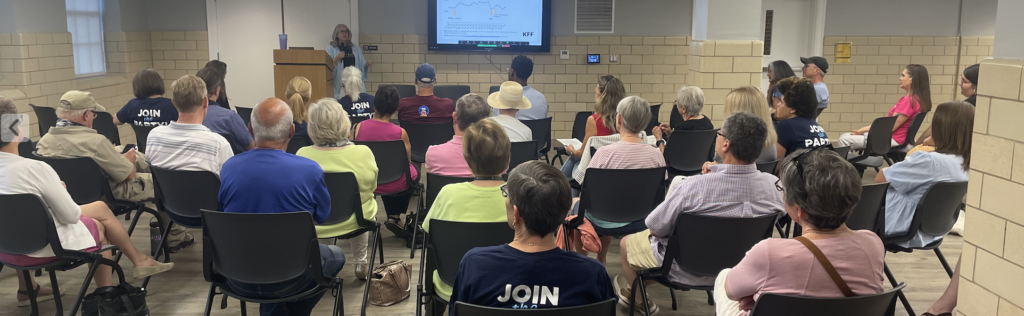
(380, 244)
(209, 300)
(339, 301)
(366, 287)
(415, 231)
(56, 292)
(643, 295)
(32, 293)
(223, 301)
(85, 287)
(903, 298)
(673, 294)
(942, 259)
(632, 294)
(711, 299)
(39, 272)
(242, 304)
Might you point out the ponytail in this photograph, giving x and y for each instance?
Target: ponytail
(298, 93)
(352, 78)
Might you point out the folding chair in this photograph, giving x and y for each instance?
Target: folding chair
(579, 131)
(228, 254)
(104, 125)
(434, 185)
(768, 167)
(448, 242)
(422, 136)
(898, 153)
(46, 116)
(655, 111)
(393, 164)
(141, 135)
(605, 308)
(346, 203)
(453, 92)
(182, 195)
(404, 90)
(26, 226)
(231, 141)
(687, 151)
(881, 304)
(245, 113)
(603, 191)
(522, 152)
(877, 145)
(542, 134)
(297, 143)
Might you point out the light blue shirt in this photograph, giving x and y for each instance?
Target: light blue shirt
(360, 64)
(822, 91)
(908, 181)
(539, 108)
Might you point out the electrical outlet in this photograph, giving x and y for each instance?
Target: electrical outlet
(613, 58)
(564, 54)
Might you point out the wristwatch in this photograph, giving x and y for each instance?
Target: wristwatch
(659, 143)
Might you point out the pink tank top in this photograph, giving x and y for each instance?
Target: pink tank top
(377, 131)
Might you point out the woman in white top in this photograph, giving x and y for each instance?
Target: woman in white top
(345, 53)
(84, 227)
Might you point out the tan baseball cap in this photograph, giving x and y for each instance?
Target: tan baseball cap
(79, 100)
(509, 96)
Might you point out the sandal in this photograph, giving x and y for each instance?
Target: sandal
(41, 296)
(396, 227)
(943, 314)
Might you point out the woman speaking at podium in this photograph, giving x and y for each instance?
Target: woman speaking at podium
(345, 53)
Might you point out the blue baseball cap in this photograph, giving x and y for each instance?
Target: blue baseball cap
(777, 94)
(425, 73)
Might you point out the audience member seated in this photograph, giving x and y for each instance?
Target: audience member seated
(520, 71)
(487, 150)
(358, 104)
(149, 107)
(537, 196)
(425, 108)
(297, 94)
(447, 159)
(750, 99)
(187, 144)
(607, 94)
(329, 128)
(820, 190)
(222, 98)
(631, 151)
(777, 70)
(378, 129)
(815, 69)
(689, 102)
(266, 179)
(750, 193)
(795, 111)
(968, 88)
(80, 227)
(914, 80)
(219, 119)
(508, 101)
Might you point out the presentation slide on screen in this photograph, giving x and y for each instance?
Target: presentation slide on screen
(492, 23)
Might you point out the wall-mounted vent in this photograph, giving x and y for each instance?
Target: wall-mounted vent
(595, 16)
(768, 18)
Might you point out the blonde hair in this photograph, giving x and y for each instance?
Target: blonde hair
(750, 99)
(612, 92)
(486, 148)
(297, 96)
(352, 79)
(328, 122)
(188, 93)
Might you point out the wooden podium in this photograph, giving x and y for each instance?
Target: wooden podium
(315, 65)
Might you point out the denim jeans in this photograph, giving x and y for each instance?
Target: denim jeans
(568, 168)
(332, 259)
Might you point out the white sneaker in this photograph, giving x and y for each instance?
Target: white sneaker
(622, 291)
(361, 271)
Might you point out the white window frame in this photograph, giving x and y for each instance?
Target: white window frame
(88, 51)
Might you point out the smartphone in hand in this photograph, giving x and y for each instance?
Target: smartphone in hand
(127, 148)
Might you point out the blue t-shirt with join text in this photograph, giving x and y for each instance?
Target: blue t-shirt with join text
(798, 132)
(148, 112)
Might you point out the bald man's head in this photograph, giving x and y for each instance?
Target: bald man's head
(272, 121)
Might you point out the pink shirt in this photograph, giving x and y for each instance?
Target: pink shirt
(447, 159)
(904, 106)
(785, 266)
(377, 131)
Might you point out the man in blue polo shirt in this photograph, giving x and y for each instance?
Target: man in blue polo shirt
(218, 119)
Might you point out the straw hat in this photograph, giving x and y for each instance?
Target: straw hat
(509, 96)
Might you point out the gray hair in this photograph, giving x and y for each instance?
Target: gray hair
(635, 113)
(352, 79)
(827, 190)
(278, 132)
(746, 133)
(469, 109)
(424, 85)
(328, 122)
(66, 114)
(690, 98)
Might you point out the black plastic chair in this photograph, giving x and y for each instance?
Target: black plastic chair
(579, 131)
(687, 151)
(26, 148)
(393, 164)
(767, 167)
(542, 133)
(655, 109)
(935, 215)
(842, 151)
(434, 185)
(877, 145)
(422, 136)
(231, 141)
(104, 125)
(245, 113)
(141, 135)
(346, 203)
(522, 152)
(26, 226)
(818, 112)
(448, 242)
(605, 308)
(869, 213)
(404, 90)
(674, 118)
(46, 117)
(603, 191)
(297, 143)
(453, 92)
(228, 253)
(493, 89)
(898, 153)
(183, 194)
(704, 245)
(881, 304)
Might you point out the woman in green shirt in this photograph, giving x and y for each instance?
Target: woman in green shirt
(329, 129)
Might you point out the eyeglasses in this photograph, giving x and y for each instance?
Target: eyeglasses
(720, 134)
(800, 166)
(504, 190)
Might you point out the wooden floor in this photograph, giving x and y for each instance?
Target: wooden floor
(182, 291)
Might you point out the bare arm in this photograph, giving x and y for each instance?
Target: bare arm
(880, 177)
(900, 119)
(591, 132)
(780, 152)
(408, 147)
(116, 121)
(927, 133)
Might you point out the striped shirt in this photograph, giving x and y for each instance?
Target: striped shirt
(597, 142)
(189, 147)
(732, 191)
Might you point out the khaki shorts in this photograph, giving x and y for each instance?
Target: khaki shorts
(639, 253)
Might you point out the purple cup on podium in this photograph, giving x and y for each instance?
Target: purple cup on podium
(283, 38)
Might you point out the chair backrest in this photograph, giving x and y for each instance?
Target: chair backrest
(541, 132)
(689, 150)
(453, 92)
(355, 120)
(522, 152)
(768, 167)
(771, 304)
(579, 125)
(605, 308)
(104, 125)
(436, 182)
(46, 116)
(939, 208)
(296, 143)
(818, 112)
(245, 113)
(231, 141)
(868, 213)
(674, 118)
(392, 162)
(842, 151)
(422, 136)
(879, 139)
(449, 241)
(141, 134)
(655, 109)
(26, 148)
(184, 194)
(85, 181)
(24, 224)
(345, 199)
(622, 195)
(404, 90)
(229, 239)
(721, 241)
(915, 125)
(493, 89)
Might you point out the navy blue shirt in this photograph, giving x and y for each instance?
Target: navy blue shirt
(148, 112)
(502, 276)
(273, 181)
(362, 109)
(798, 132)
(223, 121)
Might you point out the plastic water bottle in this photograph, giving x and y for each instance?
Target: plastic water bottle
(155, 237)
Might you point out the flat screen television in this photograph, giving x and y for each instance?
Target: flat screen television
(491, 25)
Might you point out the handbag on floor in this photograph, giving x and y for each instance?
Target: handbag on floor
(390, 283)
(120, 300)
